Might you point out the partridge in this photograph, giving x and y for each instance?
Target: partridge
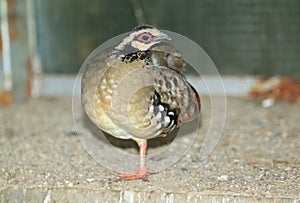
(114, 99)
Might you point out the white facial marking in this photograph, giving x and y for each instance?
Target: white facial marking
(137, 44)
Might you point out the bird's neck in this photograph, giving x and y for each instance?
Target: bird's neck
(137, 55)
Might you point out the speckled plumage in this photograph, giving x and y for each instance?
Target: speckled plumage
(153, 110)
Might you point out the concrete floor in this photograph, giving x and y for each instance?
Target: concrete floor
(256, 160)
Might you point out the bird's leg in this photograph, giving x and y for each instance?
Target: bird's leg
(142, 171)
(143, 149)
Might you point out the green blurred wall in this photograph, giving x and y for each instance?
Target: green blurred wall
(241, 37)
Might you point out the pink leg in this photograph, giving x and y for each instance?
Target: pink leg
(142, 171)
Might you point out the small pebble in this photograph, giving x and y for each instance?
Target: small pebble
(266, 103)
(284, 134)
(195, 166)
(90, 180)
(288, 168)
(223, 178)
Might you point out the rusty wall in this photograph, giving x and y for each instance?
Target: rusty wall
(17, 66)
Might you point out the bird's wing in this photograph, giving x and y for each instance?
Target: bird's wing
(169, 81)
(133, 108)
(164, 54)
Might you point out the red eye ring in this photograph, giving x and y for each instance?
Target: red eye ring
(145, 38)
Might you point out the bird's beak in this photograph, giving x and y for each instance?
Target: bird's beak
(162, 36)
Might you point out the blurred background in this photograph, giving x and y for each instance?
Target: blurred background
(43, 43)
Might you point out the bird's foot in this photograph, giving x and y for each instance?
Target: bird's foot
(141, 174)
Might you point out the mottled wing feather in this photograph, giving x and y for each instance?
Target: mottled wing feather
(166, 55)
(183, 95)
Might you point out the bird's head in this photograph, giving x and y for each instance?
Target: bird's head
(141, 38)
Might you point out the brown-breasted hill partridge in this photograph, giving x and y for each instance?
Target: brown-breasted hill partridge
(152, 110)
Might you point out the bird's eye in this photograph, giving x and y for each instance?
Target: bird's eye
(145, 38)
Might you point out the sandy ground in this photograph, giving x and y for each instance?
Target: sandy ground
(256, 159)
